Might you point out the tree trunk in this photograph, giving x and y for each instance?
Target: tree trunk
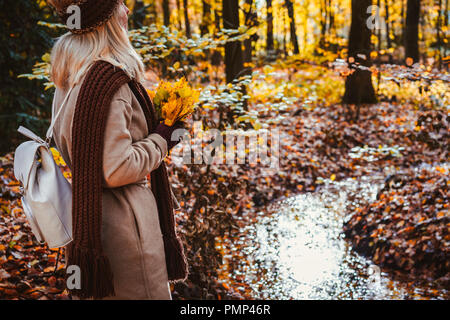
(388, 25)
(249, 22)
(331, 17)
(206, 18)
(446, 24)
(422, 22)
(412, 30)
(138, 14)
(378, 30)
(205, 24)
(216, 58)
(291, 13)
(358, 85)
(285, 53)
(446, 11)
(305, 23)
(438, 33)
(152, 13)
(234, 62)
(166, 12)
(178, 3)
(323, 23)
(186, 19)
(269, 43)
(403, 15)
(331, 26)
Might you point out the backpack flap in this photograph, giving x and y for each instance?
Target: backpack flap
(24, 159)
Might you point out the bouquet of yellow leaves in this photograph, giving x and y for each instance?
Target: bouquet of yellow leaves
(174, 101)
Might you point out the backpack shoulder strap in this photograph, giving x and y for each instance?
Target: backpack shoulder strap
(49, 134)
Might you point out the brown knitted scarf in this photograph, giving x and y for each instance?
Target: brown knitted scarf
(102, 81)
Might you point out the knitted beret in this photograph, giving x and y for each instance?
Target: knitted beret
(93, 13)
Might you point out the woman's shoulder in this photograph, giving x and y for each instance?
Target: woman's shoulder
(121, 92)
(111, 75)
(124, 93)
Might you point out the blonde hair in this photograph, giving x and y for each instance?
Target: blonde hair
(73, 54)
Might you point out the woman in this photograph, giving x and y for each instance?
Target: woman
(124, 239)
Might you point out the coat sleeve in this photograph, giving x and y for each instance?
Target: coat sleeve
(124, 161)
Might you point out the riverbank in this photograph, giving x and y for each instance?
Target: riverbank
(406, 229)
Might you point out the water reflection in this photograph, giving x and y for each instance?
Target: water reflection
(299, 251)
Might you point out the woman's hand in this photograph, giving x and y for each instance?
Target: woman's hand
(166, 131)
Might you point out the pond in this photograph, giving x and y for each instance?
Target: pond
(296, 250)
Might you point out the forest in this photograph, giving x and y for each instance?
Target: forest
(357, 92)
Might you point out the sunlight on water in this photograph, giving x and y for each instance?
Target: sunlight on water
(299, 251)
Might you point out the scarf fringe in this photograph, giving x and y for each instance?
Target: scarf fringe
(96, 274)
(177, 266)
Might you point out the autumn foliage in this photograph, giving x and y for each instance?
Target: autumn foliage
(285, 76)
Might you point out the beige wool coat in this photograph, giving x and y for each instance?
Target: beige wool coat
(131, 235)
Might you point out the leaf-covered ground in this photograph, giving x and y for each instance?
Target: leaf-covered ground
(407, 228)
(320, 139)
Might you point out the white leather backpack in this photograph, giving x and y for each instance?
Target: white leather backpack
(46, 193)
